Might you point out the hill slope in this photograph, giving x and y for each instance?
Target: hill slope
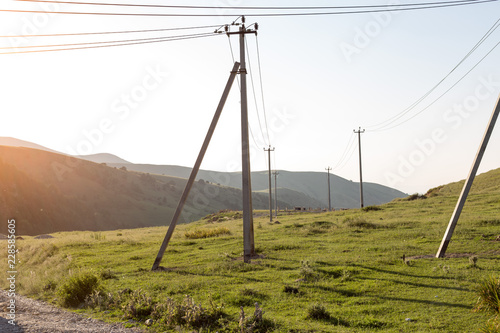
(360, 271)
(48, 192)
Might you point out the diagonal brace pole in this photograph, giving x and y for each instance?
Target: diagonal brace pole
(468, 183)
(196, 167)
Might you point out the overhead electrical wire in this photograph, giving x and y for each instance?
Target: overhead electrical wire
(385, 9)
(384, 125)
(448, 90)
(112, 32)
(108, 42)
(250, 72)
(262, 89)
(351, 151)
(345, 153)
(166, 39)
(249, 7)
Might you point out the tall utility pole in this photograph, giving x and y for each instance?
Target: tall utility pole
(329, 197)
(360, 168)
(269, 150)
(276, 173)
(248, 236)
(468, 183)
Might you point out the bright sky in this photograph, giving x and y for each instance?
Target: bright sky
(323, 77)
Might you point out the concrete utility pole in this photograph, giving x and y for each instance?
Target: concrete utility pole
(360, 168)
(248, 234)
(196, 167)
(468, 183)
(276, 173)
(269, 150)
(329, 197)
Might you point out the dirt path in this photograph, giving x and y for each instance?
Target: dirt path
(39, 317)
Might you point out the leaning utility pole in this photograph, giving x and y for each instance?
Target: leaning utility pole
(468, 183)
(248, 237)
(276, 173)
(269, 150)
(329, 197)
(196, 167)
(360, 168)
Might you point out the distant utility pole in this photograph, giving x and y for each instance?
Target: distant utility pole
(269, 150)
(248, 235)
(360, 168)
(468, 183)
(329, 197)
(276, 173)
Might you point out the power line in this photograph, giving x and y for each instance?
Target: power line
(344, 154)
(255, 96)
(387, 9)
(383, 125)
(262, 89)
(109, 42)
(248, 7)
(453, 86)
(113, 32)
(113, 45)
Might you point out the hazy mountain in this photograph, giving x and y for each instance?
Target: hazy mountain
(345, 193)
(13, 142)
(103, 158)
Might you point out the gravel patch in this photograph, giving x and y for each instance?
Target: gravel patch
(34, 316)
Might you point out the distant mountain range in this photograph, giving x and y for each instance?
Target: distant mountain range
(50, 191)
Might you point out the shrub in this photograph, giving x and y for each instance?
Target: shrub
(187, 314)
(290, 290)
(256, 323)
(473, 261)
(76, 288)
(307, 271)
(138, 306)
(317, 312)
(369, 208)
(361, 223)
(206, 233)
(415, 196)
(488, 295)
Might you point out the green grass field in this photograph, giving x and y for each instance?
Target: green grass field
(316, 272)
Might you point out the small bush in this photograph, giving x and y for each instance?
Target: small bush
(488, 295)
(98, 236)
(318, 312)
(206, 233)
(107, 274)
(307, 271)
(290, 290)
(473, 261)
(187, 314)
(138, 306)
(360, 223)
(76, 288)
(256, 323)
(415, 196)
(371, 208)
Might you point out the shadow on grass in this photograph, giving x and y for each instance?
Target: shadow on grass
(422, 301)
(403, 273)
(413, 284)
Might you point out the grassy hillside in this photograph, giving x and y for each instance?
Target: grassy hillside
(48, 192)
(325, 272)
(345, 193)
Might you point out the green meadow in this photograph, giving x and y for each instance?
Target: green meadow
(345, 271)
